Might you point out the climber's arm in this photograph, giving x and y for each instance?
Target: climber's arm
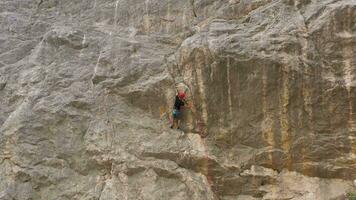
(189, 105)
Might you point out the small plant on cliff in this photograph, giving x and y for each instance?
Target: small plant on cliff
(351, 196)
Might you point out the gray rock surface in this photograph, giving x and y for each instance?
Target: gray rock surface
(86, 89)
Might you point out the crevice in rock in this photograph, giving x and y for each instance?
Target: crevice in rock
(39, 3)
(192, 2)
(102, 190)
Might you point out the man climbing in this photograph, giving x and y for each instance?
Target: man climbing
(177, 109)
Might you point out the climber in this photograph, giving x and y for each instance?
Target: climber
(177, 109)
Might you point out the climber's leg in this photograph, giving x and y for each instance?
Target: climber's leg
(174, 116)
(176, 119)
(174, 123)
(178, 123)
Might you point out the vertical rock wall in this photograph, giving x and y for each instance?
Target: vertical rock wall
(86, 88)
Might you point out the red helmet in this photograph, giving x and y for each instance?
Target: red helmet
(181, 95)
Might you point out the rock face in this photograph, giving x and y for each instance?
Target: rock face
(86, 88)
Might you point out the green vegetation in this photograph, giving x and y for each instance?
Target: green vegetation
(51, 4)
(351, 196)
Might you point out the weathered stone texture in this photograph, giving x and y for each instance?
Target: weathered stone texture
(86, 88)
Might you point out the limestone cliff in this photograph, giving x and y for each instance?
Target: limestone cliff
(86, 88)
